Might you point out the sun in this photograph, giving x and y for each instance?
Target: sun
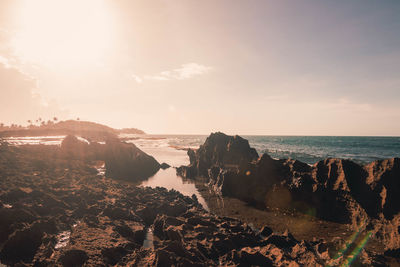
(63, 33)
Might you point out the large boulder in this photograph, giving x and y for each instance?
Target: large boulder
(219, 150)
(127, 162)
(122, 160)
(72, 147)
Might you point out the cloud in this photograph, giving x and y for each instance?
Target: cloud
(186, 71)
(137, 78)
(4, 62)
(18, 100)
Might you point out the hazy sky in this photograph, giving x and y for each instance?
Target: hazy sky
(242, 67)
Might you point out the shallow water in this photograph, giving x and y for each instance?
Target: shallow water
(167, 178)
(149, 239)
(35, 140)
(62, 239)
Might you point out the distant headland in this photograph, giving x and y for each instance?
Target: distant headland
(91, 130)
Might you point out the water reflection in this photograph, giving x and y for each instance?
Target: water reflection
(168, 179)
(149, 239)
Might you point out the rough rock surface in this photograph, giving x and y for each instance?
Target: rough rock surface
(219, 150)
(128, 162)
(57, 212)
(122, 160)
(333, 189)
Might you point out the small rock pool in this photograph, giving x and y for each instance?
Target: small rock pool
(167, 178)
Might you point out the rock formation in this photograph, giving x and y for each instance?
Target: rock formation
(63, 214)
(122, 160)
(333, 189)
(219, 150)
(128, 162)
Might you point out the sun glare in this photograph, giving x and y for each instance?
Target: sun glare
(63, 33)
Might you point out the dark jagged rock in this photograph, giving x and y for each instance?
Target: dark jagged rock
(219, 150)
(333, 189)
(126, 161)
(123, 161)
(164, 166)
(200, 239)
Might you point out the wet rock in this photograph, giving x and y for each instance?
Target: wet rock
(72, 147)
(74, 257)
(164, 166)
(218, 150)
(126, 161)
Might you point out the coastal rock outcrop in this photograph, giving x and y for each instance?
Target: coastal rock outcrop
(219, 150)
(72, 147)
(122, 160)
(333, 189)
(128, 162)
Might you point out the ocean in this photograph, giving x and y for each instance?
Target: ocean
(308, 149)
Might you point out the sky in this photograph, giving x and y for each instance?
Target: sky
(194, 67)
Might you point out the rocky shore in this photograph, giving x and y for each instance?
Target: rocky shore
(336, 190)
(57, 210)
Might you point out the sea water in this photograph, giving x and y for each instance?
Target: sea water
(308, 149)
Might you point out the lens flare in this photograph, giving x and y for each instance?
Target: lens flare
(356, 251)
(348, 244)
(354, 242)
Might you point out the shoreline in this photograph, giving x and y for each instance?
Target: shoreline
(74, 206)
